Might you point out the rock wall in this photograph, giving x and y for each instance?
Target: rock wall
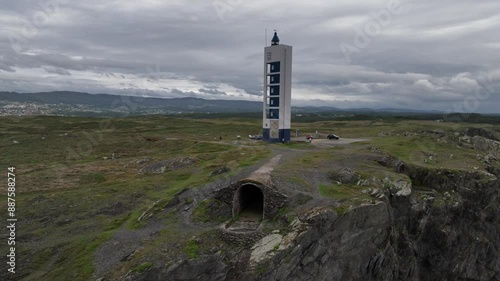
(452, 234)
(403, 238)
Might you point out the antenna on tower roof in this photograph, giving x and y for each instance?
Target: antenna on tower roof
(265, 40)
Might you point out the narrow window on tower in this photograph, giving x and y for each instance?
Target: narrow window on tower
(274, 113)
(274, 102)
(274, 67)
(274, 79)
(274, 90)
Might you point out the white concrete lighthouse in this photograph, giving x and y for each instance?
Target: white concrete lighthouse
(277, 91)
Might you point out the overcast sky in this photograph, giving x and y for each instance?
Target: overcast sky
(420, 54)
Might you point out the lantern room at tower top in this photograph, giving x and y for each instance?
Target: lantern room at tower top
(277, 91)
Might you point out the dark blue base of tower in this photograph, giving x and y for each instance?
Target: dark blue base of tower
(284, 135)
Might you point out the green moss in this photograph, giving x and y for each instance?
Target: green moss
(282, 212)
(143, 267)
(76, 260)
(288, 256)
(133, 219)
(347, 195)
(341, 209)
(438, 202)
(116, 223)
(200, 212)
(261, 269)
(92, 178)
(191, 249)
(338, 191)
(203, 211)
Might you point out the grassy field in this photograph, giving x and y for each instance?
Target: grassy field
(78, 182)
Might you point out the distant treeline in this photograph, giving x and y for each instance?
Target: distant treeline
(343, 116)
(387, 117)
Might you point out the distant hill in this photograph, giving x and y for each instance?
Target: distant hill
(111, 101)
(66, 102)
(364, 110)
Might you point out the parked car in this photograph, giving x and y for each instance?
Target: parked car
(332, 137)
(255, 137)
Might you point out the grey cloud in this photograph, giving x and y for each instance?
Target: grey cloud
(212, 92)
(6, 68)
(428, 56)
(55, 70)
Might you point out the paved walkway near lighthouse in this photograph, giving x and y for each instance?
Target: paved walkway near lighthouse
(263, 174)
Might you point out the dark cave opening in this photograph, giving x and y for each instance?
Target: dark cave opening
(251, 200)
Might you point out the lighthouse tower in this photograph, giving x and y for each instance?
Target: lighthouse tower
(277, 91)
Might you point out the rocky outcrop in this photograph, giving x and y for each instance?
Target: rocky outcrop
(480, 132)
(428, 225)
(411, 237)
(207, 268)
(168, 165)
(484, 141)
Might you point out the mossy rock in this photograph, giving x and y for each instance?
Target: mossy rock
(211, 210)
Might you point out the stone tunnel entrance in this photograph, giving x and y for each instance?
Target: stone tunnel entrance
(248, 208)
(251, 201)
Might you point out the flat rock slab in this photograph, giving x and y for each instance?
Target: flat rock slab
(265, 248)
